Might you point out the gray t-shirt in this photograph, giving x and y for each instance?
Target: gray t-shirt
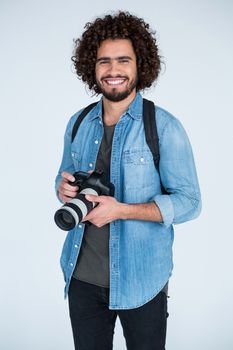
(93, 261)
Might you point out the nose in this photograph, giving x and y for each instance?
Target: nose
(113, 66)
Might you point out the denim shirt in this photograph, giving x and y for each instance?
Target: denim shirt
(140, 252)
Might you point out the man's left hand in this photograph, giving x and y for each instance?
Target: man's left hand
(108, 210)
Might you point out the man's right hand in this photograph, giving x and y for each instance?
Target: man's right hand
(65, 191)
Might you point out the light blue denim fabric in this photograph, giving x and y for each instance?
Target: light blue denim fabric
(140, 251)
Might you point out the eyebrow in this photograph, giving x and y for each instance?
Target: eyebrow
(116, 58)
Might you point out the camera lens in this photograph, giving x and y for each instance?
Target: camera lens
(72, 213)
(67, 218)
(64, 220)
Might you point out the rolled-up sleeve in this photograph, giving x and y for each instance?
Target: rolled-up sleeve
(178, 176)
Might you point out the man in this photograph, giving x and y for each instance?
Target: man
(121, 264)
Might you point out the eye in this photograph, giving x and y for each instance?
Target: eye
(103, 62)
(124, 60)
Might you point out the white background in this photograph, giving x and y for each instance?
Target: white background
(39, 93)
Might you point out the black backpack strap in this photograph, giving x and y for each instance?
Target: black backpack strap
(152, 139)
(80, 119)
(151, 130)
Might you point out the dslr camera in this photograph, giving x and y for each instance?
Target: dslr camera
(72, 213)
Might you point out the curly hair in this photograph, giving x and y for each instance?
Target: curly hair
(123, 25)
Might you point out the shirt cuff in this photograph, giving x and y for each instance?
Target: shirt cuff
(57, 184)
(166, 208)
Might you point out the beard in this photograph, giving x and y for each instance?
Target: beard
(117, 96)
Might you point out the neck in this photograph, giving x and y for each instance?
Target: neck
(114, 110)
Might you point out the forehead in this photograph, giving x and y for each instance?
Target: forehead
(117, 47)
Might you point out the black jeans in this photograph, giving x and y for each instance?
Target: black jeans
(93, 324)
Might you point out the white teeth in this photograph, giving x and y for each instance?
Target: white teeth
(115, 82)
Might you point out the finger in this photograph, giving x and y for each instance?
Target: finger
(88, 217)
(69, 187)
(71, 194)
(67, 176)
(64, 199)
(94, 198)
(90, 171)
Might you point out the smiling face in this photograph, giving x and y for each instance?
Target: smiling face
(116, 69)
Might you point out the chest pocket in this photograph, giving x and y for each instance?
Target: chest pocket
(76, 160)
(138, 168)
(137, 157)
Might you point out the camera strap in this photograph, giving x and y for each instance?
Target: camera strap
(149, 120)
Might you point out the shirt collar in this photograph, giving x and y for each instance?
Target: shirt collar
(134, 110)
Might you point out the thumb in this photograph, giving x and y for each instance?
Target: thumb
(93, 198)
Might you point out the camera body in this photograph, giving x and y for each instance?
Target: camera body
(72, 213)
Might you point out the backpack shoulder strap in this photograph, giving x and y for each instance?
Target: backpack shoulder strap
(80, 119)
(151, 133)
(151, 130)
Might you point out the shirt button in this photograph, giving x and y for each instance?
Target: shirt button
(96, 142)
(71, 264)
(100, 121)
(75, 246)
(142, 159)
(80, 226)
(90, 165)
(72, 154)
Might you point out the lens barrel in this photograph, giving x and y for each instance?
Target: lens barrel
(72, 213)
(64, 219)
